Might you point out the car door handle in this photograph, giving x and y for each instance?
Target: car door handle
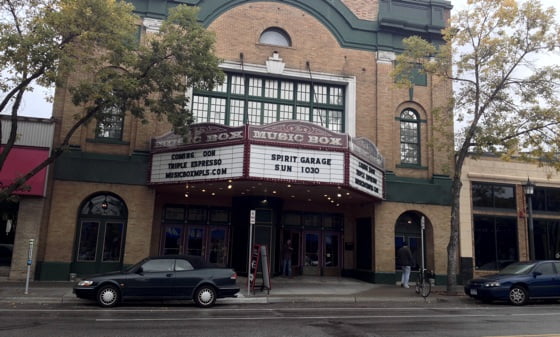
(169, 275)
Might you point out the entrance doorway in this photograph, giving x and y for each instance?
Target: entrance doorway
(311, 253)
(100, 235)
(209, 242)
(408, 229)
(8, 223)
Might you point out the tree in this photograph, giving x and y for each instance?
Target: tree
(505, 101)
(44, 41)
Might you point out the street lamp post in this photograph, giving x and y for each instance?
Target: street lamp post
(529, 190)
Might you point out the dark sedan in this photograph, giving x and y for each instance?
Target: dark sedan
(518, 283)
(161, 278)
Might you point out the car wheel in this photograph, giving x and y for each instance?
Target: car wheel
(205, 296)
(518, 295)
(108, 296)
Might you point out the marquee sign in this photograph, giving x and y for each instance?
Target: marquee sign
(290, 151)
(224, 162)
(366, 177)
(296, 164)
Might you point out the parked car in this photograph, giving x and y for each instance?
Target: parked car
(161, 278)
(518, 283)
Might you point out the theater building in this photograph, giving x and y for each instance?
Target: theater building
(308, 131)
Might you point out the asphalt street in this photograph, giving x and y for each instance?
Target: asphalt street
(282, 319)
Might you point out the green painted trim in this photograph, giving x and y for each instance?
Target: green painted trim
(52, 271)
(103, 168)
(421, 17)
(435, 191)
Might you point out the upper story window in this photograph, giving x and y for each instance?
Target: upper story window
(410, 137)
(546, 199)
(257, 100)
(486, 195)
(110, 126)
(275, 36)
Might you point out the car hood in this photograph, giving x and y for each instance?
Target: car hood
(496, 277)
(112, 274)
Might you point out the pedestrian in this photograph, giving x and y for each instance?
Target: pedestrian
(406, 260)
(287, 258)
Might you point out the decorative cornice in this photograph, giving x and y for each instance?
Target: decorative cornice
(397, 18)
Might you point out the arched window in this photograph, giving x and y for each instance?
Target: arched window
(110, 122)
(275, 36)
(100, 234)
(410, 137)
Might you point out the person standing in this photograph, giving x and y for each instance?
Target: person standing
(287, 258)
(406, 260)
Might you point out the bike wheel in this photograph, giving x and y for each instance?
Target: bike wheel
(418, 285)
(425, 288)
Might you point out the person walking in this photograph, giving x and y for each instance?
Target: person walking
(406, 260)
(287, 258)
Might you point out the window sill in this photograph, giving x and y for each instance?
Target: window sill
(107, 141)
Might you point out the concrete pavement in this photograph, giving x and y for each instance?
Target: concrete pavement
(283, 290)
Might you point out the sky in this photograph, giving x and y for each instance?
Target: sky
(35, 104)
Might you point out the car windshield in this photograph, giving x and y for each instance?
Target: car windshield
(517, 268)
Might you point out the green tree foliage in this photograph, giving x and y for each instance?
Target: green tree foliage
(44, 41)
(506, 97)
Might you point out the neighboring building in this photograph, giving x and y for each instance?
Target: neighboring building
(308, 130)
(21, 218)
(496, 214)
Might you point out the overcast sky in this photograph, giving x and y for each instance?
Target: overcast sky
(34, 104)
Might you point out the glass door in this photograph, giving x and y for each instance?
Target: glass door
(173, 240)
(217, 247)
(195, 241)
(311, 249)
(331, 253)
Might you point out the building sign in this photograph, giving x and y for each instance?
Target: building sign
(224, 162)
(286, 151)
(365, 177)
(300, 133)
(296, 164)
(20, 161)
(200, 134)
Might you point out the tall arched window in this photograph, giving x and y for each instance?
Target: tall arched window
(275, 36)
(100, 234)
(410, 137)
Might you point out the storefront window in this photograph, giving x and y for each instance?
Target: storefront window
(495, 242)
(547, 239)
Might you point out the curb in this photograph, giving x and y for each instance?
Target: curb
(69, 299)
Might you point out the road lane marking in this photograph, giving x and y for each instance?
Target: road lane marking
(187, 309)
(312, 317)
(550, 335)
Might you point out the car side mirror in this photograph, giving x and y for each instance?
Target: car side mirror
(537, 273)
(139, 270)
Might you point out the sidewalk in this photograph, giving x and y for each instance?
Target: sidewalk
(283, 290)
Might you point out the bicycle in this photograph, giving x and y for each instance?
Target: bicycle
(423, 285)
